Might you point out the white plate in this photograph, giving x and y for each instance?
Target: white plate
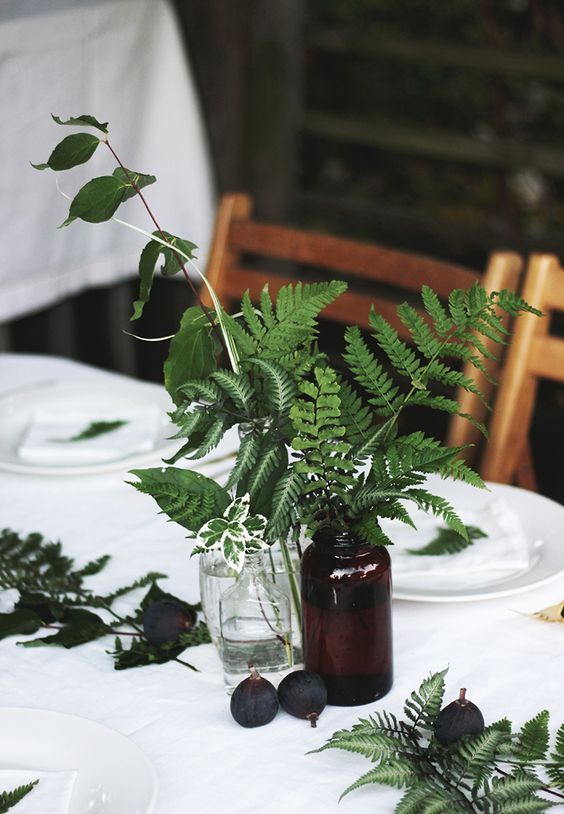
(16, 412)
(542, 520)
(114, 775)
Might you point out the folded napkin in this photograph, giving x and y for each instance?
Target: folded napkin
(505, 551)
(52, 795)
(47, 439)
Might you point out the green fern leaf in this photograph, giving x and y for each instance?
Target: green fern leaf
(285, 499)
(441, 320)
(8, 799)
(532, 740)
(418, 799)
(186, 497)
(558, 751)
(477, 753)
(529, 805)
(421, 333)
(244, 342)
(370, 374)
(402, 357)
(267, 461)
(254, 324)
(396, 772)
(424, 705)
(280, 390)
(247, 455)
(448, 541)
(356, 417)
(236, 386)
(518, 786)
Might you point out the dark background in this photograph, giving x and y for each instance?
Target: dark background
(428, 126)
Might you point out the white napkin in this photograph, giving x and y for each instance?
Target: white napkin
(503, 553)
(47, 437)
(52, 795)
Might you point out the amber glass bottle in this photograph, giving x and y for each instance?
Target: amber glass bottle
(346, 605)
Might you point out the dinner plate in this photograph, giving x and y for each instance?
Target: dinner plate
(114, 776)
(542, 520)
(16, 412)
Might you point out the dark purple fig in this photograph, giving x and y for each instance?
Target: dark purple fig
(303, 694)
(457, 719)
(254, 701)
(164, 621)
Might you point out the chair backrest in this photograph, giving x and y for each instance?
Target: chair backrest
(376, 275)
(534, 354)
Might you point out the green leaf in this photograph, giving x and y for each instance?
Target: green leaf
(186, 497)
(193, 352)
(147, 264)
(19, 621)
(70, 152)
(132, 180)
(93, 430)
(424, 705)
(79, 627)
(532, 740)
(8, 799)
(448, 541)
(396, 772)
(97, 200)
(83, 121)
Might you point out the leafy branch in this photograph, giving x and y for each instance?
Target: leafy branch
(496, 772)
(53, 596)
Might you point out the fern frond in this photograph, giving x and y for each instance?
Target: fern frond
(422, 335)
(439, 507)
(267, 461)
(370, 530)
(250, 315)
(364, 738)
(518, 786)
(356, 417)
(280, 390)
(8, 799)
(370, 374)
(247, 455)
(236, 386)
(532, 740)
(448, 541)
(424, 705)
(427, 799)
(441, 320)
(285, 499)
(401, 356)
(477, 753)
(397, 772)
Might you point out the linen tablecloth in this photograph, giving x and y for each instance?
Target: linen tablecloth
(512, 665)
(122, 61)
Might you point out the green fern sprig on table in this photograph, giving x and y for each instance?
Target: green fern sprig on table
(496, 772)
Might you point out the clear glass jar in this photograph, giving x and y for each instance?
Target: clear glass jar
(255, 625)
(346, 606)
(215, 578)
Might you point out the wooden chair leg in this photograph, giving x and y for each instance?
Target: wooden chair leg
(525, 475)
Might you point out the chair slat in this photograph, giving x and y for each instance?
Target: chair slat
(349, 257)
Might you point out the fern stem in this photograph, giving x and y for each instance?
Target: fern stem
(529, 763)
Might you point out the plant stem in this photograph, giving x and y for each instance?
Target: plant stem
(181, 265)
(544, 788)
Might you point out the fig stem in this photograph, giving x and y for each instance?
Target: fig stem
(462, 696)
(253, 670)
(312, 718)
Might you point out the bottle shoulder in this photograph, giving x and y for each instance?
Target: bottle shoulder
(339, 562)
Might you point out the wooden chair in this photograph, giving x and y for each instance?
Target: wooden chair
(534, 354)
(375, 274)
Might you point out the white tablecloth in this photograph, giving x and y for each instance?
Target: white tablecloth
(122, 61)
(511, 665)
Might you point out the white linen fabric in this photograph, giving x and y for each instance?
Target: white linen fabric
(52, 435)
(503, 552)
(512, 665)
(51, 795)
(121, 61)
